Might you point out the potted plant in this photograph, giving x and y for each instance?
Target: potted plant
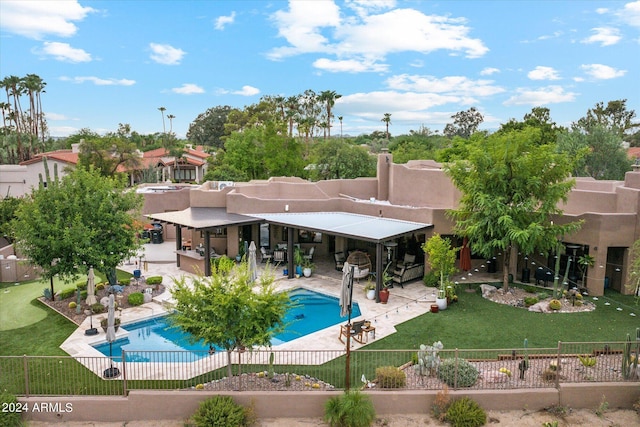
(442, 260)
(387, 282)
(370, 290)
(307, 267)
(298, 259)
(104, 324)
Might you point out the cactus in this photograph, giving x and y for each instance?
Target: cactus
(626, 359)
(428, 359)
(271, 359)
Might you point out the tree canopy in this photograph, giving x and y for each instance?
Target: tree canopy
(337, 159)
(229, 311)
(511, 188)
(83, 220)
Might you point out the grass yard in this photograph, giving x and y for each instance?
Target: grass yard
(475, 323)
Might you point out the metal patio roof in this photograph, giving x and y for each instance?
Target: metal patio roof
(203, 218)
(361, 227)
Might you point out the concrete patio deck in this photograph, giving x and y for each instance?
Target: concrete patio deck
(159, 259)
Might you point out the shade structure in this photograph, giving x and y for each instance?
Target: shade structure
(91, 288)
(112, 371)
(346, 290)
(465, 255)
(253, 266)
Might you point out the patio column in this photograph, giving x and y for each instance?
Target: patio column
(379, 269)
(290, 265)
(178, 243)
(207, 253)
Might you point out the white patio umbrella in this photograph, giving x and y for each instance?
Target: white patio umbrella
(91, 288)
(253, 267)
(346, 292)
(112, 371)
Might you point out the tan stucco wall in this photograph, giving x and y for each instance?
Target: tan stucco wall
(180, 405)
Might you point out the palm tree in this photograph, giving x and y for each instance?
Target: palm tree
(293, 112)
(329, 98)
(340, 119)
(170, 117)
(162, 110)
(387, 121)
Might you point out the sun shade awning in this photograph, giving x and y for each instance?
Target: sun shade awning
(361, 227)
(203, 218)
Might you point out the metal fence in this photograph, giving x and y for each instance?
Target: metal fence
(311, 370)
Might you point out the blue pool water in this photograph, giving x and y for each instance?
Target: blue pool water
(314, 311)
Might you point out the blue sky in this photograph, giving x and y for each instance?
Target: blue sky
(111, 62)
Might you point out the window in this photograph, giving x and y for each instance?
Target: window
(264, 236)
(306, 236)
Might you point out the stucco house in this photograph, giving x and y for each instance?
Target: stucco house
(414, 196)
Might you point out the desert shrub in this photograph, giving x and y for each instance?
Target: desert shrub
(549, 375)
(136, 298)
(97, 308)
(467, 373)
(390, 377)
(222, 411)
(578, 295)
(441, 404)
(542, 296)
(530, 289)
(82, 286)
(8, 415)
(431, 279)
(73, 304)
(46, 293)
(578, 303)
(465, 412)
(154, 280)
(555, 304)
(529, 301)
(99, 286)
(351, 409)
(67, 293)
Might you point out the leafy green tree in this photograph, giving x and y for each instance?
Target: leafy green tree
(511, 187)
(442, 258)
(614, 116)
(540, 118)
(633, 284)
(282, 154)
(106, 154)
(244, 152)
(337, 159)
(599, 152)
(82, 220)
(225, 311)
(465, 123)
(416, 146)
(208, 128)
(8, 207)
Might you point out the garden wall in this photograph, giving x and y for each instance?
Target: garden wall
(180, 405)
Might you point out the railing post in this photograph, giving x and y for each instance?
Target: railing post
(455, 376)
(124, 374)
(25, 365)
(558, 365)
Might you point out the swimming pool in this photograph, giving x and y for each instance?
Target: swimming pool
(314, 311)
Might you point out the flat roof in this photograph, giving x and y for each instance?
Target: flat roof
(361, 227)
(203, 218)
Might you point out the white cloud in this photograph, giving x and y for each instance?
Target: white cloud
(364, 7)
(458, 85)
(188, 89)
(541, 96)
(63, 52)
(222, 21)
(602, 72)
(606, 36)
(489, 71)
(543, 73)
(55, 116)
(319, 27)
(349, 65)
(166, 54)
(99, 81)
(36, 19)
(630, 14)
(247, 91)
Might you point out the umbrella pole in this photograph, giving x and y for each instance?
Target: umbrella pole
(347, 380)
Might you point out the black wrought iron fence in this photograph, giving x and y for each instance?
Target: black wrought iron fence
(310, 370)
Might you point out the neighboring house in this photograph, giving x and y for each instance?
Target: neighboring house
(17, 180)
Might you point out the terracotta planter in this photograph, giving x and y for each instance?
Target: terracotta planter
(384, 295)
(434, 308)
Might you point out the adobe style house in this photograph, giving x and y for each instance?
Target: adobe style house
(284, 211)
(17, 180)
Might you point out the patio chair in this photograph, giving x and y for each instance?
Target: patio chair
(279, 257)
(309, 256)
(266, 257)
(356, 332)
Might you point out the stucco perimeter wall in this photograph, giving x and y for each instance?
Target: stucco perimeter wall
(421, 187)
(180, 405)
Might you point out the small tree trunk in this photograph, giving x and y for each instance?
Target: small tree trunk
(229, 371)
(505, 268)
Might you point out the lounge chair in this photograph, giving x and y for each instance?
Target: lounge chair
(340, 259)
(266, 257)
(309, 256)
(356, 332)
